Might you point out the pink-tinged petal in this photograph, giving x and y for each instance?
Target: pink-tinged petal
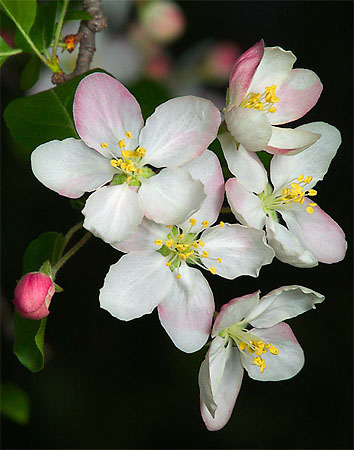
(144, 239)
(246, 166)
(187, 311)
(286, 364)
(297, 96)
(70, 168)
(246, 206)
(243, 250)
(171, 196)
(207, 169)
(314, 161)
(282, 304)
(225, 388)
(103, 111)
(234, 311)
(179, 130)
(243, 71)
(287, 247)
(286, 141)
(249, 127)
(135, 285)
(274, 68)
(317, 232)
(113, 213)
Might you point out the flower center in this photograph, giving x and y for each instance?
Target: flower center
(185, 246)
(293, 193)
(249, 344)
(262, 102)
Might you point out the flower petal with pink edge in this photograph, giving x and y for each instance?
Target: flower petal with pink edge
(286, 141)
(187, 311)
(297, 96)
(234, 311)
(246, 206)
(274, 68)
(243, 71)
(246, 166)
(249, 127)
(135, 285)
(171, 196)
(282, 304)
(287, 247)
(286, 364)
(179, 130)
(103, 111)
(207, 169)
(317, 232)
(225, 385)
(113, 213)
(314, 161)
(70, 168)
(242, 250)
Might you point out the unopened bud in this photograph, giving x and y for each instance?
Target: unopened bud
(33, 295)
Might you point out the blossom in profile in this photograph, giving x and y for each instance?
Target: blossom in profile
(269, 351)
(117, 148)
(264, 91)
(310, 235)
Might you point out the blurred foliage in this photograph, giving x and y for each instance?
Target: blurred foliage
(15, 403)
(30, 73)
(149, 94)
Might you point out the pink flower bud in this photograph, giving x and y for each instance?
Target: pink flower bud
(221, 59)
(33, 295)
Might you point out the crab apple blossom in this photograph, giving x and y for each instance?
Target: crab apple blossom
(33, 295)
(160, 269)
(265, 91)
(117, 148)
(311, 236)
(269, 351)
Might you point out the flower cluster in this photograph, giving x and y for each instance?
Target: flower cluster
(157, 191)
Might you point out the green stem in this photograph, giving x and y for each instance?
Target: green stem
(15, 51)
(225, 210)
(58, 31)
(71, 232)
(70, 253)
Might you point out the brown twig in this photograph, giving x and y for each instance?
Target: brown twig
(87, 32)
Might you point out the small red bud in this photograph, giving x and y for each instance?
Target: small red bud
(33, 295)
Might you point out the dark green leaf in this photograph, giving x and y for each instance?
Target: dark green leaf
(265, 157)
(15, 403)
(44, 248)
(30, 73)
(23, 13)
(45, 116)
(77, 15)
(150, 94)
(78, 203)
(29, 342)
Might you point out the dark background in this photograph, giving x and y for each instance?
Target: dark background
(111, 384)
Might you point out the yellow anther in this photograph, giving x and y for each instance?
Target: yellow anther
(181, 236)
(169, 226)
(300, 178)
(263, 366)
(312, 204)
(294, 185)
(302, 201)
(186, 246)
(201, 243)
(140, 151)
(205, 223)
(308, 180)
(204, 254)
(309, 209)
(189, 254)
(114, 163)
(272, 110)
(128, 180)
(121, 143)
(242, 345)
(104, 145)
(180, 247)
(268, 97)
(312, 192)
(140, 171)
(219, 260)
(212, 270)
(273, 350)
(182, 256)
(193, 222)
(158, 241)
(123, 166)
(169, 243)
(195, 245)
(178, 276)
(128, 134)
(257, 360)
(168, 264)
(221, 224)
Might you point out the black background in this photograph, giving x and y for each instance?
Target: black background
(111, 384)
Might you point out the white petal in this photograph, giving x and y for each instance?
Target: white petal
(113, 213)
(286, 364)
(243, 250)
(187, 311)
(179, 130)
(135, 285)
(287, 247)
(246, 166)
(70, 168)
(282, 304)
(207, 169)
(246, 206)
(289, 142)
(234, 311)
(314, 161)
(171, 196)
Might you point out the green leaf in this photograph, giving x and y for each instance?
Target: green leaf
(15, 403)
(6, 51)
(29, 342)
(266, 158)
(77, 15)
(30, 73)
(48, 246)
(150, 94)
(45, 116)
(23, 13)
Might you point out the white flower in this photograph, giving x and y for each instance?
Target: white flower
(117, 148)
(269, 351)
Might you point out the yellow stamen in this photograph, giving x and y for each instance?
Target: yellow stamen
(169, 226)
(128, 134)
(212, 270)
(204, 254)
(312, 192)
(205, 223)
(309, 209)
(168, 264)
(181, 236)
(193, 222)
(195, 245)
(242, 345)
(114, 163)
(178, 276)
(182, 256)
(300, 178)
(128, 179)
(158, 242)
(201, 243)
(221, 224)
(121, 143)
(104, 145)
(169, 243)
(219, 260)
